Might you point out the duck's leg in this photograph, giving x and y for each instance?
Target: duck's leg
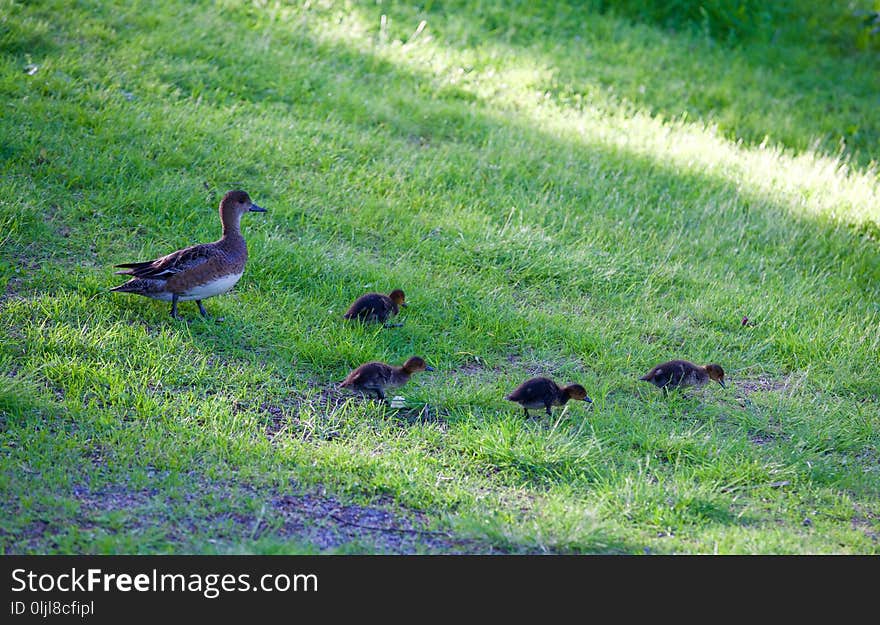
(526, 410)
(393, 325)
(379, 393)
(174, 314)
(547, 406)
(202, 309)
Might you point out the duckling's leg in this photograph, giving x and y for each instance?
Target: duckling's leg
(393, 325)
(379, 393)
(174, 314)
(547, 406)
(526, 410)
(202, 309)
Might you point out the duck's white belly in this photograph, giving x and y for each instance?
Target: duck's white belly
(210, 289)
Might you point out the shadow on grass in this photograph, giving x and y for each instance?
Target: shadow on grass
(755, 90)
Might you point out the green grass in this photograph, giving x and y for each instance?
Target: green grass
(576, 193)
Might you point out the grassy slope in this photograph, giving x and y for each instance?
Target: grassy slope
(520, 176)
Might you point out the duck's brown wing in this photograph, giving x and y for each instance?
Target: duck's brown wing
(353, 377)
(173, 263)
(536, 389)
(668, 373)
(370, 306)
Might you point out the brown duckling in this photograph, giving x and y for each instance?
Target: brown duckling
(543, 392)
(681, 373)
(199, 271)
(377, 307)
(376, 376)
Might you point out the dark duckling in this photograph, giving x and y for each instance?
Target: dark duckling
(376, 307)
(377, 376)
(199, 271)
(681, 373)
(543, 393)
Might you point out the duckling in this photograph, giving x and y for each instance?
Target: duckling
(199, 271)
(681, 373)
(377, 307)
(376, 376)
(543, 392)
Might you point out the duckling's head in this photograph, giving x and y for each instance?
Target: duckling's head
(416, 364)
(576, 391)
(716, 373)
(235, 204)
(397, 297)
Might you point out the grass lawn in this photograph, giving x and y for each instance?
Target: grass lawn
(566, 191)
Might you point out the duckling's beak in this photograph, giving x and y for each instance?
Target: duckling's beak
(427, 368)
(588, 400)
(404, 304)
(257, 209)
(721, 382)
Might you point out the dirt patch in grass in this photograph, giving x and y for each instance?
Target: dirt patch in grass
(473, 368)
(232, 516)
(329, 524)
(107, 500)
(870, 458)
(868, 523)
(535, 366)
(31, 533)
(423, 414)
(295, 413)
(762, 438)
(285, 414)
(766, 384)
(530, 366)
(12, 290)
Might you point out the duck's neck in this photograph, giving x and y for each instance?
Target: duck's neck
(231, 225)
(564, 395)
(402, 373)
(232, 242)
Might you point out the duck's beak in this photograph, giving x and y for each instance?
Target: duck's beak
(404, 304)
(588, 400)
(721, 382)
(257, 209)
(427, 368)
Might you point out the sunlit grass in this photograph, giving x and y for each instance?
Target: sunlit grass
(510, 80)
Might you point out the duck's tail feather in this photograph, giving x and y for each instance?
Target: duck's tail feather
(128, 287)
(132, 268)
(150, 288)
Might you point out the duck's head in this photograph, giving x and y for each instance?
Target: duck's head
(235, 204)
(576, 391)
(416, 364)
(716, 373)
(397, 297)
